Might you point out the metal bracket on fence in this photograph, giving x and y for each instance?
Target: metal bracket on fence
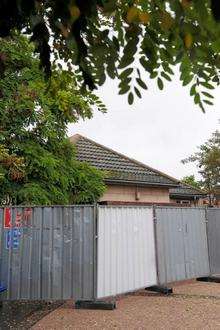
(215, 279)
(95, 304)
(160, 289)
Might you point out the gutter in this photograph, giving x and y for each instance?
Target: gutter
(187, 195)
(140, 183)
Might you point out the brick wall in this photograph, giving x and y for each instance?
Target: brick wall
(136, 194)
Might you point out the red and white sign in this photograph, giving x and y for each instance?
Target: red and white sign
(7, 218)
(21, 218)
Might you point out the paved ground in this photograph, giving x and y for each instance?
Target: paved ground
(194, 305)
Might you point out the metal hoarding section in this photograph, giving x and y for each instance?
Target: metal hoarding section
(126, 249)
(213, 217)
(47, 252)
(182, 251)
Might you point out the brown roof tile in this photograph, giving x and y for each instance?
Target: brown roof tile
(118, 167)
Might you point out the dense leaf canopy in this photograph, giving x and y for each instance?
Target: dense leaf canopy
(207, 159)
(133, 40)
(37, 161)
(191, 180)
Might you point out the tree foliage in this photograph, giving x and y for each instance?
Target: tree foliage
(37, 161)
(116, 38)
(191, 180)
(207, 160)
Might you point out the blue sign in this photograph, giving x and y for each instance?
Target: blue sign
(12, 238)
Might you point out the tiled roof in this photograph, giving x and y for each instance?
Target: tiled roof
(118, 168)
(186, 190)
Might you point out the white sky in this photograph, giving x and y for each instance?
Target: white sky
(159, 130)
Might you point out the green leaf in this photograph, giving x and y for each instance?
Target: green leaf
(203, 74)
(153, 74)
(167, 68)
(208, 102)
(201, 107)
(166, 76)
(137, 92)
(130, 98)
(141, 83)
(207, 85)
(197, 98)
(125, 61)
(208, 95)
(102, 79)
(187, 80)
(160, 83)
(125, 73)
(193, 90)
(111, 69)
(146, 64)
(124, 82)
(124, 89)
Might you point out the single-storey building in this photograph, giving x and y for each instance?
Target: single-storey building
(128, 181)
(186, 195)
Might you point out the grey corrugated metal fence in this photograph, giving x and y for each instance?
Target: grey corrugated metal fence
(47, 252)
(213, 217)
(50, 252)
(182, 251)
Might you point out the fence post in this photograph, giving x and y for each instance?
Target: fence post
(155, 239)
(157, 288)
(95, 253)
(207, 235)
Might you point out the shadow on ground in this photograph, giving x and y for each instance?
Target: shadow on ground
(24, 314)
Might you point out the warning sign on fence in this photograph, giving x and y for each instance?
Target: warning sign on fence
(7, 218)
(13, 227)
(21, 219)
(12, 238)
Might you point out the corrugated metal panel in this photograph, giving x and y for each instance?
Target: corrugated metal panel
(170, 245)
(47, 252)
(213, 216)
(126, 250)
(196, 243)
(182, 251)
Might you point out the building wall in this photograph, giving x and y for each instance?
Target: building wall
(217, 202)
(187, 202)
(119, 193)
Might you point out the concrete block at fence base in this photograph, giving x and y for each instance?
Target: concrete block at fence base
(160, 289)
(215, 279)
(95, 304)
